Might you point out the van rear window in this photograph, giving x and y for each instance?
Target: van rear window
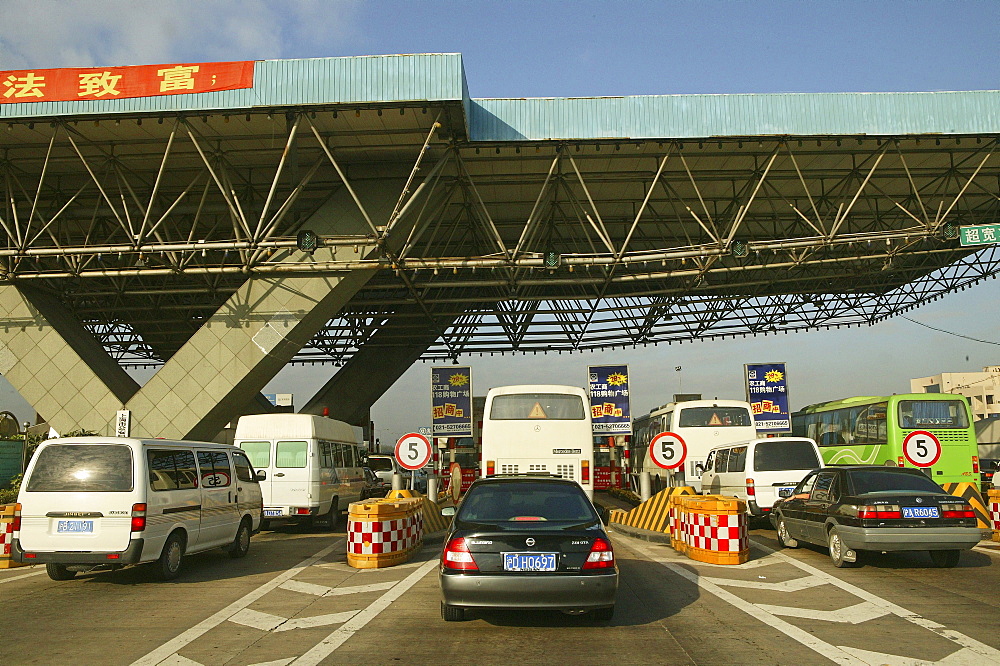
(779, 454)
(75, 468)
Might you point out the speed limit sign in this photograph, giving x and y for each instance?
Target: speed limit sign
(413, 451)
(921, 448)
(668, 450)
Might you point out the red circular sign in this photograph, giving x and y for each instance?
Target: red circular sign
(921, 448)
(668, 450)
(413, 451)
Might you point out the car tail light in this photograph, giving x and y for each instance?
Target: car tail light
(138, 517)
(601, 556)
(879, 511)
(491, 467)
(899, 462)
(15, 525)
(114, 556)
(585, 471)
(957, 510)
(751, 491)
(456, 555)
(301, 511)
(975, 464)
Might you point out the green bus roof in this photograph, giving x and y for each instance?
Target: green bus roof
(871, 399)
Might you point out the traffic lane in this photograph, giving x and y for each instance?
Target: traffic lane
(660, 618)
(963, 598)
(117, 617)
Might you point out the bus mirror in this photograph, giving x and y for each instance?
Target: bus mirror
(261, 476)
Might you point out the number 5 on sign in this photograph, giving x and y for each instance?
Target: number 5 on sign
(921, 448)
(668, 450)
(413, 451)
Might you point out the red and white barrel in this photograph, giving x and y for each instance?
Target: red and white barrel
(719, 533)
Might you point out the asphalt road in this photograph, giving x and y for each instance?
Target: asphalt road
(294, 600)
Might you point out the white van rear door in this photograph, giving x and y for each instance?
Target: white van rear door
(79, 497)
(292, 475)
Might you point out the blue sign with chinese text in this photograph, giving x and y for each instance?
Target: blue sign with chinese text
(767, 393)
(451, 401)
(609, 408)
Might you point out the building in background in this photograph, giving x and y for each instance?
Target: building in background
(981, 388)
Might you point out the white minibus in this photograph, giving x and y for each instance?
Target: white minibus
(539, 428)
(313, 465)
(106, 502)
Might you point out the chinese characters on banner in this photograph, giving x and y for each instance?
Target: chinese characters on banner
(767, 393)
(451, 401)
(90, 83)
(609, 410)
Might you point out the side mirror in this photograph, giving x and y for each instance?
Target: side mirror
(448, 511)
(260, 476)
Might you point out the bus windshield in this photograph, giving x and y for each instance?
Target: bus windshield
(713, 417)
(531, 406)
(932, 414)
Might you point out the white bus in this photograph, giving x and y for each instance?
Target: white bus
(313, 465)
(539, 428)
(702, 424)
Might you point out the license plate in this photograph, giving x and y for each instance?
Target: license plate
(920, 512)
(272, 512)
(529, 561)
(74, 526)
(785, 492)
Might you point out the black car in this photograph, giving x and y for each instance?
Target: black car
(527, 542)
(870, 507)
(987, 468)
(374, 485)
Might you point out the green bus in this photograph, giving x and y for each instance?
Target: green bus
(871, 430)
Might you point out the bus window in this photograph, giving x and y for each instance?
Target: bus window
(714, 417)
(932, 414)
(522, 406)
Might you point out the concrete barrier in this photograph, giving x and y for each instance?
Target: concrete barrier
(653, 514)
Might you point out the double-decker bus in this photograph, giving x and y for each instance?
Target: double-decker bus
(869, 430)
(539, 428)
(702, 424)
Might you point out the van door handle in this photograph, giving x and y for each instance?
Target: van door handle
(279, 474)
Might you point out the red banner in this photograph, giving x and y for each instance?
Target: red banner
(89, 83)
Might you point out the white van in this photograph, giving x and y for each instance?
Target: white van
(106, 502)
(760, 471)
(313, 465)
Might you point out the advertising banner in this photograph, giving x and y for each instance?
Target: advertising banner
(451, 401)
(89, 83)
(609, 408)
(767, 393)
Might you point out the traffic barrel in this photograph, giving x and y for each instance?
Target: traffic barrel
(7, 514)
(715, 529)
(994, 496)
(385, 532)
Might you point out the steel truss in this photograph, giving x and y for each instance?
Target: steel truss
(144, 226)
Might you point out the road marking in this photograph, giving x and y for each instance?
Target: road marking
(171, 647)
(328, 645)
(324, 591)
(177, 660)
(276, 662)
(267, 622)
(27, 575)
(963, 657)
(855, 614)
(795, 585)
(257, 620)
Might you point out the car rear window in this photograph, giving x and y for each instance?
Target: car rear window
(89, 468)
(885, 480)
(777, 455)
(380, 464)
(526, 502)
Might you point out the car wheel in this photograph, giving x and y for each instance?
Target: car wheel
(602, 614)
(784, 538)
(841, 555)
(241, 543)
(945, 559)
(331, 518)
(169, 564)
(452, 613)
(59, 572)
(265, 524)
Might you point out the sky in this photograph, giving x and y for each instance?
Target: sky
(557, 48)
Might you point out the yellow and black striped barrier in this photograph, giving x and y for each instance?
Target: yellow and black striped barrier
(652, 514)
(970, 493)
(433, 520)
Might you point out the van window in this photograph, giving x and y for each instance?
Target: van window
(326, 455)
(171, 470)
(737, 459)
(244, 472)
(291, 454)
(258, 452)
(88, 468)
(721, 460)
(777, 454)
(215, 470)
(350, 455)
(380, 464)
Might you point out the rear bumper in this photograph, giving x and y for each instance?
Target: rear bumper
(130, 555)
(562, 591)
(910, 538)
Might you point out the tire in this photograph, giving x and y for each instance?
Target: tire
(602, 614)
(838, 549)
(265, 524)
(331, 518)
(59, 572)
(452, 613)
(241, 542)
(169, 564)
(945, 559)
(784, 539)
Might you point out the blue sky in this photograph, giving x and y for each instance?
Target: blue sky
(585, 48)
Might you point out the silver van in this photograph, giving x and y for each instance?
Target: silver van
(107, 502)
